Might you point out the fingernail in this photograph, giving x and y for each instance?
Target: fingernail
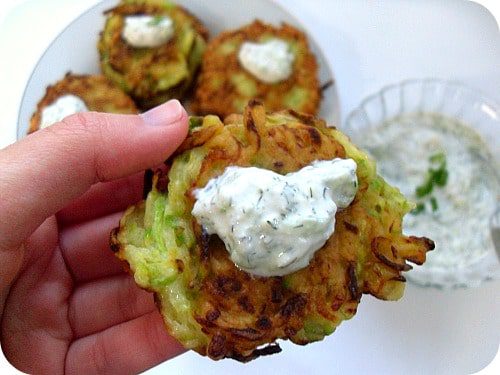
(165, 114)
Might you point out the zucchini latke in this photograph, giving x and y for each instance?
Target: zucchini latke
(97, 92)
(211, 306)
(152, 75)
(224, 86)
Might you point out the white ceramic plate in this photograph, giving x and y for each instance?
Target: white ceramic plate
(75, 48)
(369, 45)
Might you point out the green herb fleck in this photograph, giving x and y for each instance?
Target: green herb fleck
(419, 209)
(272, 225)
(440, 176)
(437, 176)
(261, 195)
(195, 122)
(424, 189)
(439, 158)
(156, 20)
(434, 204)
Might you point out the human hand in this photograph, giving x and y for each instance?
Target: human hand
(67, 305)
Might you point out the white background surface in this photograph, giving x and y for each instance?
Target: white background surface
(369, 45)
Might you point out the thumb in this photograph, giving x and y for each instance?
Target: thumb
(43, 172)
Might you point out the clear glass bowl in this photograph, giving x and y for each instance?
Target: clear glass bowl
(419, 99)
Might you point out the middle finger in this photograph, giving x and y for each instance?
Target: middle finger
(111, 300)
(85, 248)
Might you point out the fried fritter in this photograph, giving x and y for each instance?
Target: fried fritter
(152, 75)
(98, 93)
(210, 305)
(225, 87)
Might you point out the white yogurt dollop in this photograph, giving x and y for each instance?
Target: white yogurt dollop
(273, 224)
(145, 31)
(270, 61)
(63, 107)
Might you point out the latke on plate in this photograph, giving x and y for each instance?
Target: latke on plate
(152, 75)
(98, 93)
(225, 87)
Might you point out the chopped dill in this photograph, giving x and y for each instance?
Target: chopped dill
(195, 122)
(272, 225)
(420, 208)
(261, 192)
(434, 204)
(437, 176)
(156, 21)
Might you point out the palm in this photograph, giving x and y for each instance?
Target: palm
(72, 308)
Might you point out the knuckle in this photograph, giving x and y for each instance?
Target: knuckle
(99, 357)
(85, 121)
(90, 128)
(131, 300)
(72, 314)
(157, 343)
(125, 299)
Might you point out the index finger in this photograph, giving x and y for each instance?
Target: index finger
(46, 170)
(102, 199)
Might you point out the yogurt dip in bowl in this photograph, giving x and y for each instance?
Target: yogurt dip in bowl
(438, 142)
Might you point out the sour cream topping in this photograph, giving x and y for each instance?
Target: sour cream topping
(270, 61)
(273, 224)
(143, 31)
(64, 106)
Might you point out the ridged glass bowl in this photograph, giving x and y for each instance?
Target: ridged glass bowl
(432, 97)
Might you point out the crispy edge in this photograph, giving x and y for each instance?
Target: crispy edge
(206, 100)
(80, 85)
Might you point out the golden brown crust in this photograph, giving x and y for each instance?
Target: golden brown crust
(122, 58)
(238, 312)
(98, 93)
(150, 8)
(121, 54)
(216, 93)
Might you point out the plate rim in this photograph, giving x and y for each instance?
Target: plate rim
(336, 120)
